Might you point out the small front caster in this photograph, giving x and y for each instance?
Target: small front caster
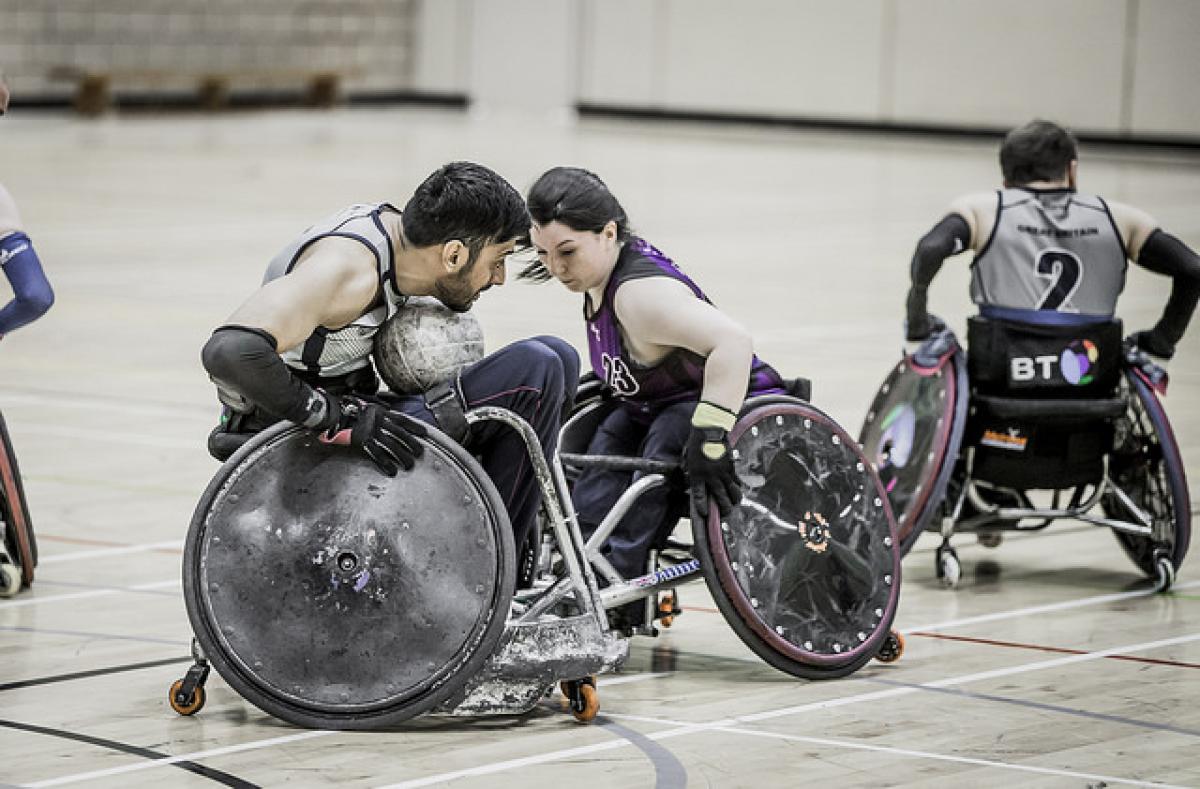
(1164, 572)
(892, 648)
(184, 703)
(10, 579)
(668, 609)
(187, 694)
(582, 698)
(949, 569)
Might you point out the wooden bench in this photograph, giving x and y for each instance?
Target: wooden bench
(94, 87)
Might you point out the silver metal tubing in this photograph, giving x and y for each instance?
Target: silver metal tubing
(576, 540)
(1124, 526)
(1137, 511)
(557, 591)
(622, 506)
(637, 588)
(550, 494)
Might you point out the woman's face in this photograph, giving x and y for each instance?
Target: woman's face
(579, 259)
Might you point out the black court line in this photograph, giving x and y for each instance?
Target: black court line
(1037, 705)
(134, 750)
(96, 672)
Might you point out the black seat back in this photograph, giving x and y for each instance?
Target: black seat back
(1042, 400)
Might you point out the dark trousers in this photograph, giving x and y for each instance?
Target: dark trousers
(653, 517)
(535, 379)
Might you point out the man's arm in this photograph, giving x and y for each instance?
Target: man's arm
(956, 232)
(1154, 249)
(32, 295)
(334, 283)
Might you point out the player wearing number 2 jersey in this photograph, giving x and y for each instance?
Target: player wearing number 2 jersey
(1046, 253)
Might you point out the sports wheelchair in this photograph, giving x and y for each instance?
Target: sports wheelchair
(962, 440)
(805, 569)
(330, 596)
(18, 546)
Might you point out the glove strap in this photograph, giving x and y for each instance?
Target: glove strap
(447, 408)
(714, 423)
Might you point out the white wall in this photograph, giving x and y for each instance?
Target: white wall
(1098, 65)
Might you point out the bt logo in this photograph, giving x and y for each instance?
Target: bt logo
(1076, 364)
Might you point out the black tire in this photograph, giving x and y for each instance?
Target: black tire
(865, 541)
(1146, 465)
(18, 532)
(413, 689)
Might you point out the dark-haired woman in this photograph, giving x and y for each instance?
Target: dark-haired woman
(679, 367)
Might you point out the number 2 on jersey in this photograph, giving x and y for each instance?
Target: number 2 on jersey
(1064, 270)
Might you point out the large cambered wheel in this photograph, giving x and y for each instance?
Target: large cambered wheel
(806, 569)
(332, 596)
(1145, 464)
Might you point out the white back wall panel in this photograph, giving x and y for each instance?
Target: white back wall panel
(1166, 69)
(987, 63)
(777, 57)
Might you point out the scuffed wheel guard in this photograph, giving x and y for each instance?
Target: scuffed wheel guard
(332, 596)
(806, 569)
(912, 433)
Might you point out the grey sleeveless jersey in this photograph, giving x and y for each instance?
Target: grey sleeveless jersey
(1051, 250)
(334, 352)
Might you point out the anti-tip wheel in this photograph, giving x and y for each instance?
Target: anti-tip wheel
(10, 579)
(667, 609)
(1164, 574)
(892, 648)
(190, 706)
(990, 539)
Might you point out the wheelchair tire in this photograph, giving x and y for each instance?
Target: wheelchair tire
(912, 433)
(1146, 465)
(806, 569)
(14, 512)
(331, 596)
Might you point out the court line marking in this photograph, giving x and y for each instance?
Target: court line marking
(8, 604)
(95, 672)
(1046, 648)
(144, 408)
(685, 728)
(90, 635)
(189, 757)
(627, 678)
(176, 546)
(861, 746)
(1064, 605)
(109, 437)
(133, 750)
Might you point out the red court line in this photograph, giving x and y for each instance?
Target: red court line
(99, 543)
(700, 609)
(1061, 650)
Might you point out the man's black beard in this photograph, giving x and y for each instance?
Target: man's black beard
(454, 290)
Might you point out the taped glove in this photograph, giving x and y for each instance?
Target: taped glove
(708, 461)
(388, 438)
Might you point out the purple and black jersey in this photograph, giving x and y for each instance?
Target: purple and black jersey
(677, 378)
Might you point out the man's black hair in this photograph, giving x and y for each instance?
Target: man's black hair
(467, 202)
(1038, 151)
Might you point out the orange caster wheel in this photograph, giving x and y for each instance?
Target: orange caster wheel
(892, 649)
(581, 698)
(181, 703)
(667, 609)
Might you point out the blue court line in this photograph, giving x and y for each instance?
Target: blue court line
(1037, 705)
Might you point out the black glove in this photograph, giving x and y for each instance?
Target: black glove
(1152, 343)
(389, 438)
(708, 462)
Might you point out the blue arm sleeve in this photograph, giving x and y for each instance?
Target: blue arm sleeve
(32, 295)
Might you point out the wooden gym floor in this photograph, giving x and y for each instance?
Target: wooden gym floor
(1052, 665)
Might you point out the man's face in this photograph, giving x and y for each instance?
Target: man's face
(460, 289)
